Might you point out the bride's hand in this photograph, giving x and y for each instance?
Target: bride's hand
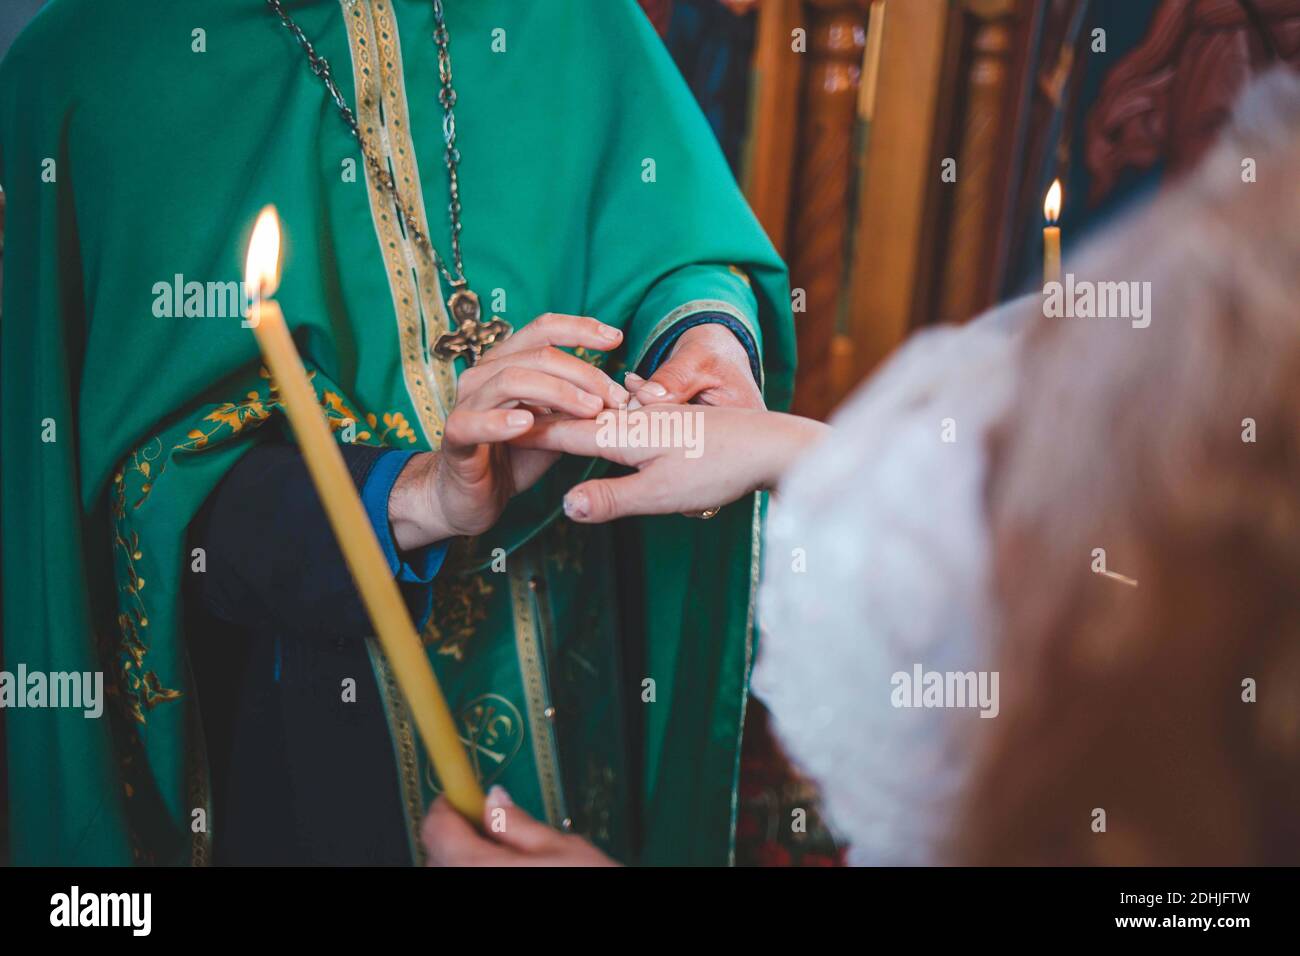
(716, 456)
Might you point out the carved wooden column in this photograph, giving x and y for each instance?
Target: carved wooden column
(820, 206)
(982, 158)
(769, 154)
(900, 168)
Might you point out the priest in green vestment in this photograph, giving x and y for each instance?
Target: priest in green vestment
(542, 157)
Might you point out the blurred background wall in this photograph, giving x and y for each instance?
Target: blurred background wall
(847, 138)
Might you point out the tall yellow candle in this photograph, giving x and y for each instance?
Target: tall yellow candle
(356, 536)
(871, 54)
(1052, 234)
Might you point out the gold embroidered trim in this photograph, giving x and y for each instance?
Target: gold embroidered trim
(407, 171)
(695, 307)
(532, 669)
(200, 787)
(755, 568)
(230, 418)
(402, 731)
(461, 601)
(395, 425)
(431, 391)
(134, 687)
(141, 469)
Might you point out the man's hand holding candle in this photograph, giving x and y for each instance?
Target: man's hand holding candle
(506, 836)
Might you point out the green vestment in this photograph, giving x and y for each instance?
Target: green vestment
(136, 152)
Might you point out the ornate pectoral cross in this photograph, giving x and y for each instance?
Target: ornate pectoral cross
(472, 336)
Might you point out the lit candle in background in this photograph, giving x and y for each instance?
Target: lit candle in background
(1052, 234)
(355, 534)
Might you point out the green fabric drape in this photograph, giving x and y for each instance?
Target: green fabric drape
(590, 184)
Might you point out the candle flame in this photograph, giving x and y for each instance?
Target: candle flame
(262, 264)
(1052, 205)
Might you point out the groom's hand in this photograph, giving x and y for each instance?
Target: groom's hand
(707, 365)
(463, 487)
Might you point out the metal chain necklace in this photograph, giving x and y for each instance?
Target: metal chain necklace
(472, 336)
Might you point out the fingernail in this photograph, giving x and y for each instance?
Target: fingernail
(633, 380)
(609, 333)
(518, 419)
(619, 394)
(655, 390)
(497, 797)
(575, 504)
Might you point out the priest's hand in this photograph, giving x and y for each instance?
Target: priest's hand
(463, 487)
(722, 454)
(707, 365)
(510, 837)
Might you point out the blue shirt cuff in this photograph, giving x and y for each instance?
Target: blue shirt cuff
(413, 569)
(662, 346)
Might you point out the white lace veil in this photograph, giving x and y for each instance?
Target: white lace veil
(885, 519)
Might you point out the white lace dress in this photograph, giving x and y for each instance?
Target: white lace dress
(887, 519)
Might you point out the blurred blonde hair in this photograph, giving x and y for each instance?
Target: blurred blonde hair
(1130, 699)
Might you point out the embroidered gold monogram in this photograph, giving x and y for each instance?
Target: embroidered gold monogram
(492, 730)
(461, 604)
